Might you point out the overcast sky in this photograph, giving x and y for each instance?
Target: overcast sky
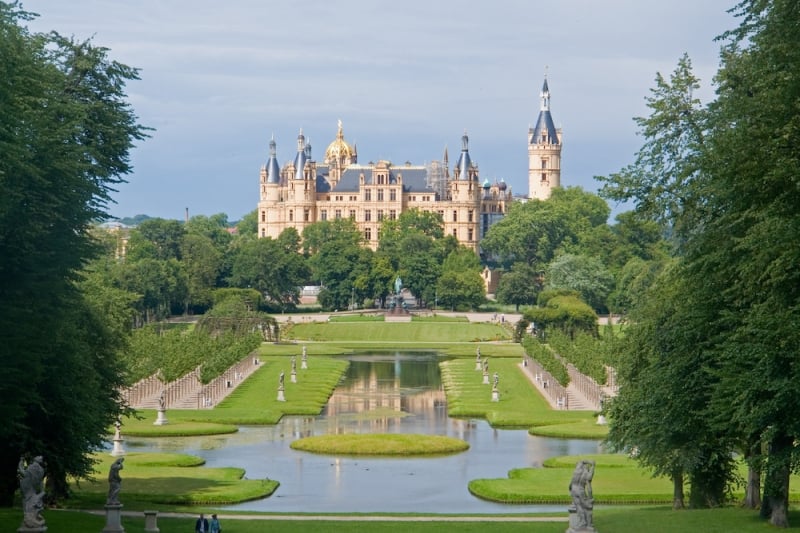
(407, 78)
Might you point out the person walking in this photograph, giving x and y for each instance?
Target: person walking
(215, 527)
(201, 526)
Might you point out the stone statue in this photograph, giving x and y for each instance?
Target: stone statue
(478, 354)
(114, 482)
(30, 484)
(162, 401)
(294, 364)
(580, 489)
(496, 379)
(398, 285)
(280, 380)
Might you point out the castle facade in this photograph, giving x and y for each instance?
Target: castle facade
(304, 191)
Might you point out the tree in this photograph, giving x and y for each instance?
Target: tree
(461, 285)
(66, 131)
(335, 260)
(586, 275)
(521, 286)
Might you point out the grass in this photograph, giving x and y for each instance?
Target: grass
(171, 479)
(520, 404)
(420, 331)
(381, 444)
(653, 519)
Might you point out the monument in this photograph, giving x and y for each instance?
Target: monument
(31, 477)
(281, 397)
(485, 371)
(478, 365)
(580, 490)
(113, 506)
(293, 375)
(161, 418)
(304, 359)
(495, 390)
(118, 450)
(398, 309)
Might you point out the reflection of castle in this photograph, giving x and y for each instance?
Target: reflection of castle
(304, 191)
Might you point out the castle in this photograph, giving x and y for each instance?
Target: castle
(304, 191)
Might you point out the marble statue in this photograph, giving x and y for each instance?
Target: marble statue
(114, 482)
(30, 483)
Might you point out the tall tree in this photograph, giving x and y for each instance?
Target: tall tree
(66, 131)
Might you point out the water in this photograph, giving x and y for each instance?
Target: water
(379, 385)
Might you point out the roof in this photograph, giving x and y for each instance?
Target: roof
(544, 126)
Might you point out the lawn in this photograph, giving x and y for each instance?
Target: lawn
(401, 332)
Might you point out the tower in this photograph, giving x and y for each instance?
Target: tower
(544, 151)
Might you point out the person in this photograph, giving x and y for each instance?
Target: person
(114, 482)
(580, 489)
(201, 526)
(215, 527)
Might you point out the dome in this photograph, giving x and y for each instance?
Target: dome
(339, 149)
(503, 185)
(486, 184)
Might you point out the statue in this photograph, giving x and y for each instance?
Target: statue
(398, 285)
(280, 380)
(162, 401)
(294, 364)
(30, 484)
(580, 489)
(114, 482)
(496, 379)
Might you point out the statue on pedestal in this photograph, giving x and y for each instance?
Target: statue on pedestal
(30, 484)
(114, 482)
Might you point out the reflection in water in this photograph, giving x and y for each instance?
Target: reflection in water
(397, 393)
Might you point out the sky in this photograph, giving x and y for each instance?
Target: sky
(406, 78)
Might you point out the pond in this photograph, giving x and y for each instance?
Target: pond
(381, 393)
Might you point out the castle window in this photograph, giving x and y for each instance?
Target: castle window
(380, 195)
(338, 214)
(392, 195)
(441, 214)
(368, 234)
(263, 216)
(455, 215)
(323, 215)
(455, 233)
(544, 176)
(305, 214)
(291, 215)
(367, 215)
(470, 216)
(544, 164)
(380, 214)
(263, 232)
(392, 214)
(368, 195)
(469, 234)
(413, 198)
(352, 214)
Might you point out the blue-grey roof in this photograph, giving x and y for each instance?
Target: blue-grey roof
(464, 162)
(273, 169)
(415, 179)
(544, 123)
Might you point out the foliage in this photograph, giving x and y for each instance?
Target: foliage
(461, 286)
(586, 275)
(590, 354)
(520, 286)
(566, 313)
(545, 357)
(66, 131)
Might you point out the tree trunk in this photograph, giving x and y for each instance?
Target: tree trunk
(752, 493)
(677, 491)
(776, 484)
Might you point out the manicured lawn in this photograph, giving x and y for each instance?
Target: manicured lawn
(171, 479)
(420, 331)
(520, 404)
(395, 444)
(650, 519)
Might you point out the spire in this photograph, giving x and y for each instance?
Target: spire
(464, 161)
(300, 159)
(545, 95)
(273, 169)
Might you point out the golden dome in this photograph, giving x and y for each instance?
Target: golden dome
(339, 150)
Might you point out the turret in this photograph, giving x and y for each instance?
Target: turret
(544, 151)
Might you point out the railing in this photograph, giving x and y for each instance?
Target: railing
(548, 384)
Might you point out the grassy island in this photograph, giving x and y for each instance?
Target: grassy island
(381, 444)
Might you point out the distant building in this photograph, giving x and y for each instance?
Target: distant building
(303, 191)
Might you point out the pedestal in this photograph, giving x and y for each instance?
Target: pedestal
(573, 523)
(150, 525)
(303, 363)
(293, 377)
(478, 365)
(113, 519)
(24, 529)
(601, 420)
(161, 419)
(485, 378)
(281, 397)
(495, 396)
(118, 450)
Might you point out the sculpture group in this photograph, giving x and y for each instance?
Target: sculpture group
(580, 490)
(31, 478)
